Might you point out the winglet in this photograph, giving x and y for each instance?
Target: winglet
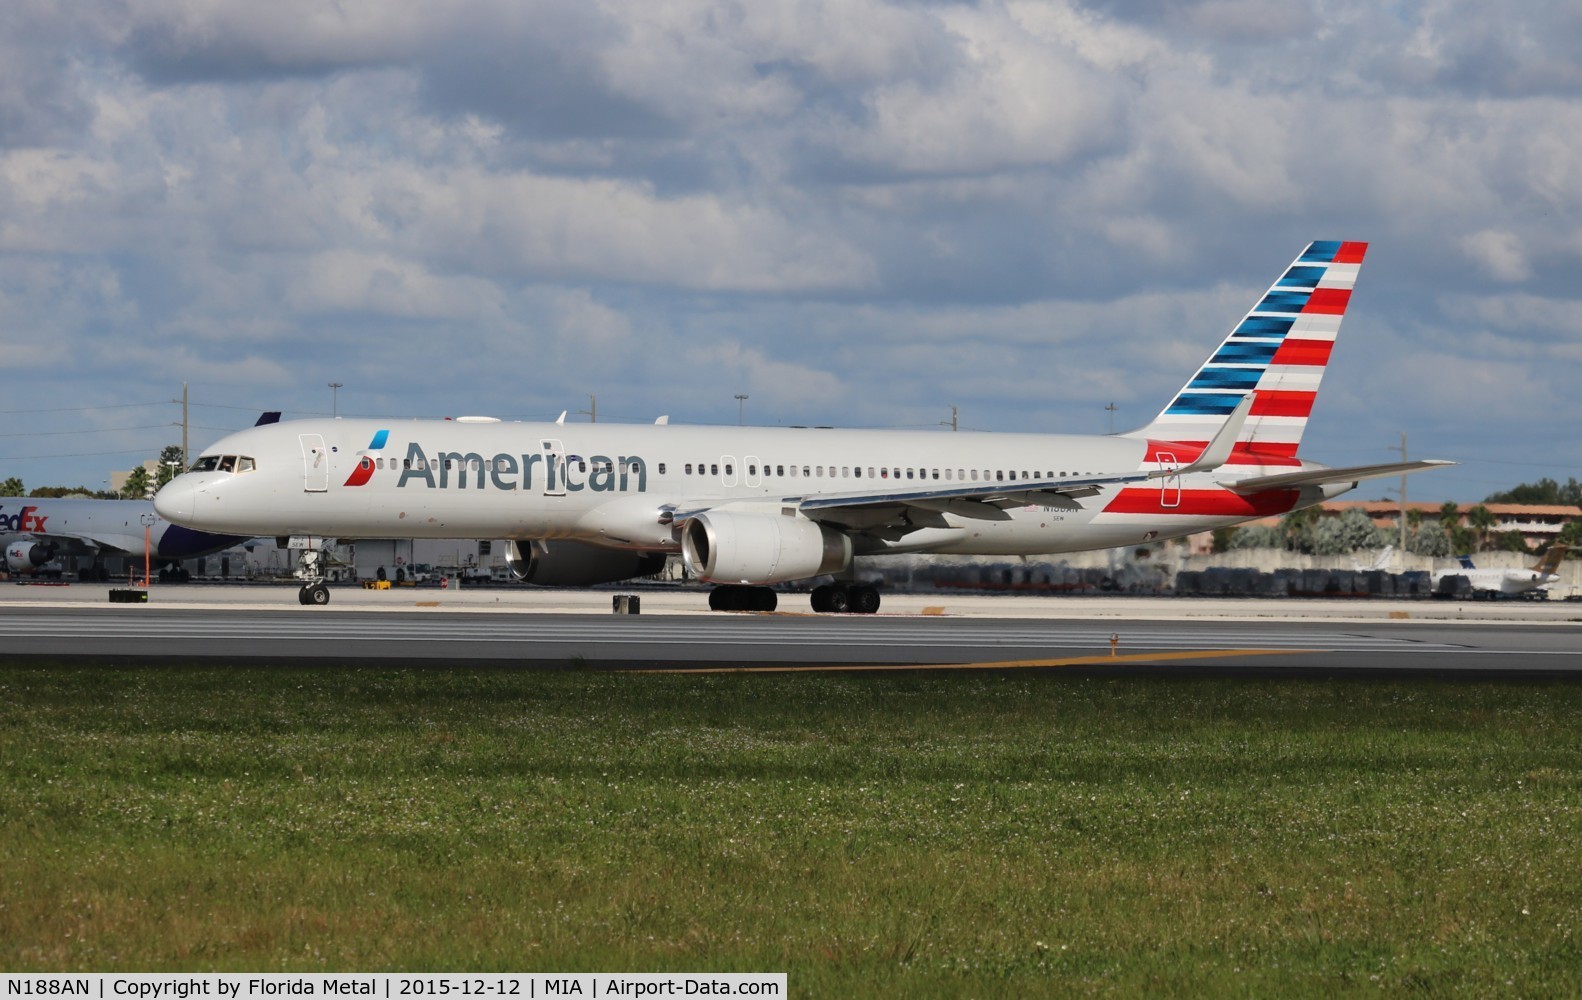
(1219, 449)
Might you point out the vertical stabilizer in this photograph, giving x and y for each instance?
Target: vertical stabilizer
(1278, 351)
(1550, 563)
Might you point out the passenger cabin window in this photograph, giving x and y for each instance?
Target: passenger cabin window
(661, 468)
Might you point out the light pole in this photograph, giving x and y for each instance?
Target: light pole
(1112, 408)
(1402, 450)
(741, 399)
(593, 409)
(335, 398)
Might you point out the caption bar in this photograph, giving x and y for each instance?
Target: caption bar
(393, 986)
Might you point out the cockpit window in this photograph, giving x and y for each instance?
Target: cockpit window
(223, 463)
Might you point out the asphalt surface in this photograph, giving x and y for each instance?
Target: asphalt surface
(527, 629)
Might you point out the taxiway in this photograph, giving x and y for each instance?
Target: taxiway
(537, 629)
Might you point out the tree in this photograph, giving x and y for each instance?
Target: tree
(1481, 520)
(1510, 541)
(138, 485)
(1450, 520)
(1257, 536)
(1430, 540)
(1571, 534)
(1544, 491)
(55, 492)
(1297, 528)
(170, 463)
(11, 488)
(1350, 532)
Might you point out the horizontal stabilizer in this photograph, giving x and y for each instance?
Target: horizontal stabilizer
(1321, 477)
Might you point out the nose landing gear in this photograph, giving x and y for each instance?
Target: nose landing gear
(310, 570)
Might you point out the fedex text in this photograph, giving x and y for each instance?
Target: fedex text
(27, 519)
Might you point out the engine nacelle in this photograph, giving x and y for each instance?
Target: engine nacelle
(24, 557)
(572, 564)
(725, 547)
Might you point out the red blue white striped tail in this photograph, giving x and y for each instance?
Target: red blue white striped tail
(1279, 350)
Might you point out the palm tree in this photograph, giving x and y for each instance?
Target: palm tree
(1481, 520)
(1450, 518)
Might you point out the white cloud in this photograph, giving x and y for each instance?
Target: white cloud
(1498, 253)
(856, 211)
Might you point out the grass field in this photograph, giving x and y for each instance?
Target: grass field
(939, 834)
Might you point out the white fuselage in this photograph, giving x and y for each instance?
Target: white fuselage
(1501, 581)
(81, 526)
(624, 485)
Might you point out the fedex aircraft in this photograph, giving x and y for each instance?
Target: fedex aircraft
(749, 507)
(35, 531)
(1508, 582)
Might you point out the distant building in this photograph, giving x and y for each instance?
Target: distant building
(1539, 524)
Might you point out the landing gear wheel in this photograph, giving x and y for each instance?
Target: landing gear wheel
(864, 600)
(314, 593)
(840, 599)
(820, 598)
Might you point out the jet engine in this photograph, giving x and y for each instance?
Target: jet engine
(571, 564)
(24, 557)
(725, 547)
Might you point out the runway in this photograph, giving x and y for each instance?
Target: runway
(557, 630)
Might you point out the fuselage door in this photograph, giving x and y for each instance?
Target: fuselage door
(554, 467)
(315, 463)
(1169, 486)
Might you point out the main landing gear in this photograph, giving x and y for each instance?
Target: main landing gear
(834, 598)
(846, 598)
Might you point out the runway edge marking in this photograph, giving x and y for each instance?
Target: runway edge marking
(1072, 661)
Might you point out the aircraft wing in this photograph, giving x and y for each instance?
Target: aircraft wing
(1321, 477)
(921, 506)
(64, 543)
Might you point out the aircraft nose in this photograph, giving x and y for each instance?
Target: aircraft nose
(176, 502)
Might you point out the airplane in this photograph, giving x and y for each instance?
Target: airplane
(751, 507)
(35, 531)
(1507, 582)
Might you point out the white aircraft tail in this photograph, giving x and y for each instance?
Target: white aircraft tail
(1278, 352)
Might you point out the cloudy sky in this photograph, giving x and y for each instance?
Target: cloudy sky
(855, 212)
